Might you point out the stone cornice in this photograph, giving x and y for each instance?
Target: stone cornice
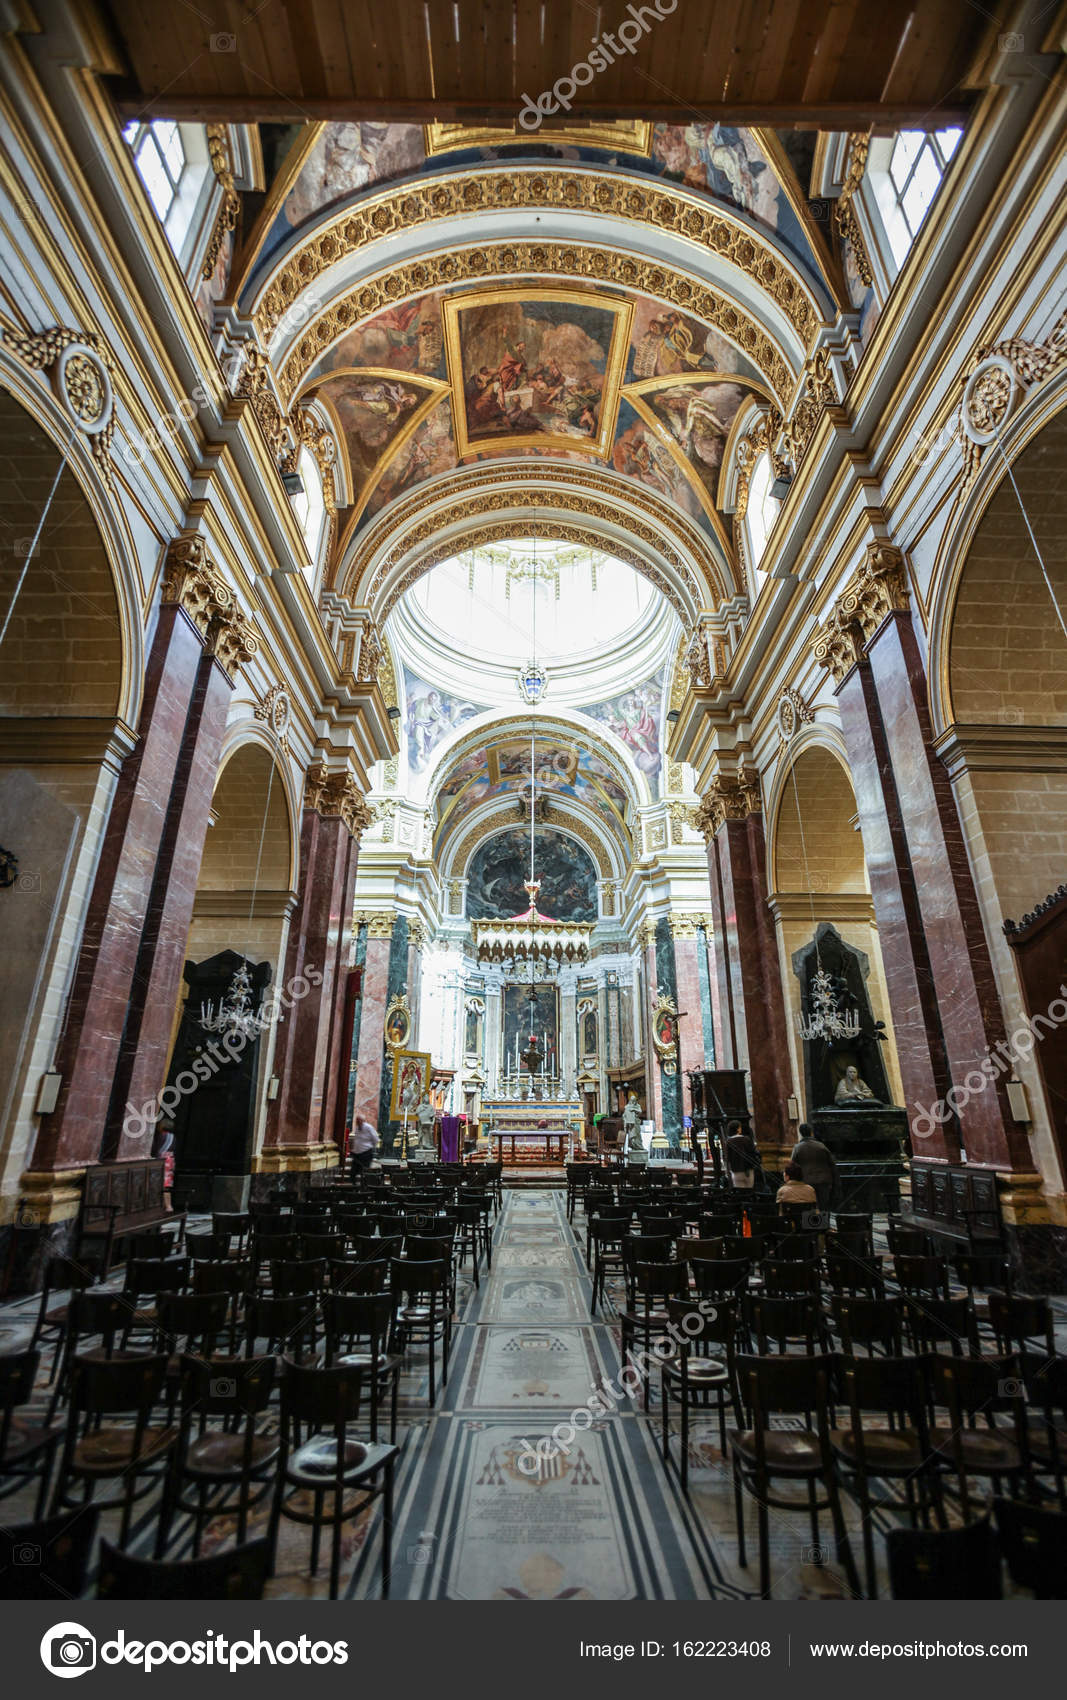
(1003, 749)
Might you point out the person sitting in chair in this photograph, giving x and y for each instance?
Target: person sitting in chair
(795, 1189)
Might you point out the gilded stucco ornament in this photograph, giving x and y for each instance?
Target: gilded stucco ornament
(193, 582)
(878, 589)
(82, 374)
(995, 381)
(732, 796)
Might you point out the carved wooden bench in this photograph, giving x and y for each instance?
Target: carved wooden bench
(119, 1199)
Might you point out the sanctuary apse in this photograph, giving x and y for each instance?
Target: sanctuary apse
(530, 620)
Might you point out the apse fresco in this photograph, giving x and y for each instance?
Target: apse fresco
(432, 716)
(639, 452)
(562, 770)
(375, 411)
(498, 868)
(528, 368)
(428, 451)
(699, 418)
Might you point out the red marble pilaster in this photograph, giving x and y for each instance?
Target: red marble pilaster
(753, 985)
(913, 1003)
(107, 962)
(307, 1053)
(971, 1018)
(370, 1058)
(653, 1071)
(157, 981)
(690, 1019)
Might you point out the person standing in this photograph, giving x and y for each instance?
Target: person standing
(362, 1145)
(742, 1158)
(816, 1164)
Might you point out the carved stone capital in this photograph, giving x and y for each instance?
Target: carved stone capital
(336, 796)
(732, 796)
(878, 589)
(193, 582)
(378, 922)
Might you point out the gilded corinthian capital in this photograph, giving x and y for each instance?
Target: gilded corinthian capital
(193, 582)
(336, 796)
(732, 796)
(878, 589)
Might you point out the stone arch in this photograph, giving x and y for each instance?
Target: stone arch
(817, 773)
(252, 802)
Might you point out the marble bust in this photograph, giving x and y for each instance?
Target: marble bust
(853, 1089)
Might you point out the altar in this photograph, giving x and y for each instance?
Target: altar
(532, 1131)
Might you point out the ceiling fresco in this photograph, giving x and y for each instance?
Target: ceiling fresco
(761, 173)
(562, 769)
(430, 385)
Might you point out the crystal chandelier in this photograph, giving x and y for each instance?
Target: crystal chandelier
(824, 1019)
(234, 1018)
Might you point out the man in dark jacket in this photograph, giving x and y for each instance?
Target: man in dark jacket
(816, 1163)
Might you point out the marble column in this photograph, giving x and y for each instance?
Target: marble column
(493, 1017)
(605, 1057)
(128, 976)
(933, 942)
(690, 1015)
(568, 1038)
(653, 1072)
(310, 1057)
(751, 1028)
(370, 1058)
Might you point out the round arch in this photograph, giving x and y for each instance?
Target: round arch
(1041, 411)
(815, 763)
(253, 800)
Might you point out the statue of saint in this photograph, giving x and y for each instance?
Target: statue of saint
(853, 1089)
(426, 1150)
(632, 1143)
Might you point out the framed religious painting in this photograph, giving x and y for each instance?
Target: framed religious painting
(665, 1032)
(398, 1023)
(411, 1082)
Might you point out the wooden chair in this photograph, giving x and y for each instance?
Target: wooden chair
(48, 1559)
(1045, 1380)
(62, 1274)
(96, 1451)
(1033, 1540)
(945, 1564)
(972, 1388)
(873, 1323)
(1018, 1321)
(220, 1443)
(653, 1285)
(26, 1448)
(786, 1386)
(898, 1450)
(357, 1327)
(422, 1311)
(321, 1460)
(699, 1370)
(238, 1574)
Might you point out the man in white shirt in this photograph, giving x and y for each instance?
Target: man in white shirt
(362, 1144)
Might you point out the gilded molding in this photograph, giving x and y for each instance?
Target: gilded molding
(992, 384)
(336, 796)
(732, 796)
(218, 147)
(845, 218)
(378, 922)
(275, 709)
(791, 714)
(255, 383)
(82, 372)
(878, 589)
(653, 203)
(497, 491)
(817, 391)
(683, 926)
(193, 582)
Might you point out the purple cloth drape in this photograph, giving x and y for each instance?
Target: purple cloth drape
(450, 1126)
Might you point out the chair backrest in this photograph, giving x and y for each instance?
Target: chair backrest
(783, 1320)
(193, 1316)
(349, 1314)
(785, 1276)
(698, 1328)
(296, 1276)
(660, 1280)
(116, 1386)
(855, 1274)
(894, 1385)
(233, 1278)
(95, 1312)
(945, 1564)
(921, 1274)
(419, 1275)
(977, 1386)
(226, 1387)
(67, 1274)
(950, 1322)
(981, 1270)
(1033, 1539)
(1017, 1318)
(239, 1574)
(862, 1321)
(358, 1276)
(322, 1398)
(646, 1248)
(60, 1548)
(283, 1320)
(17, 1373)
(785, 1385)
(157, 1274)
(723, 1275)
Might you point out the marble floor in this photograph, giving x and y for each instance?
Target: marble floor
(478, 1517)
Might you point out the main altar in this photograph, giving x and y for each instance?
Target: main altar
(531, 1130)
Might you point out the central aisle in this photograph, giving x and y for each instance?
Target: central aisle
(601, 1520)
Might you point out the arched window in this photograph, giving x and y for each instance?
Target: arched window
(172, 160)
(761, 510)
(310, 507)
(906, 172)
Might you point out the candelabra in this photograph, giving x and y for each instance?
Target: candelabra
(234, 1018)
(824, 1019)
